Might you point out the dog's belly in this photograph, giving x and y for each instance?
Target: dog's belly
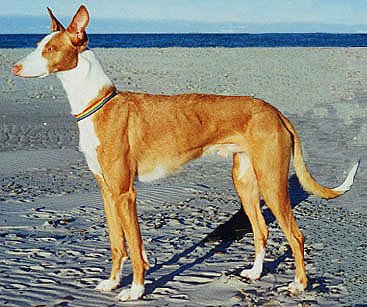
(223, 150)
(149, 171)
(160, 171)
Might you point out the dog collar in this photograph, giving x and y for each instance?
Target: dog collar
(95, 107)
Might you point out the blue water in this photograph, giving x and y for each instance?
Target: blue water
(193, 40)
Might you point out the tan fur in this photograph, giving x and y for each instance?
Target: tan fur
(304, 177)
(59, 53)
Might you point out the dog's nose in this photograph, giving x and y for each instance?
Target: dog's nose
(16, 69)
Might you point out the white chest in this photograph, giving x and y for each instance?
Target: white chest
(82, 85)
(88, 143)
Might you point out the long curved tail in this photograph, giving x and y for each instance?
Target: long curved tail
(305, 178)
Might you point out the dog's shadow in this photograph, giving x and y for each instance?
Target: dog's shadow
(239, 224)
(234, 229)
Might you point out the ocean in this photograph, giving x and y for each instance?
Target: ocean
(195, 40)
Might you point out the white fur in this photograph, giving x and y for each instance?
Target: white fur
(223, 150)
(109, 284)
(159, 172)
(134, 293)
(348, 182)
(244, 165)
(34, 65)
(82, 84)
(88, 143)
(296, 287)
(256, 270)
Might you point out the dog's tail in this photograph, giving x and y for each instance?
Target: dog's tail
(308, 183)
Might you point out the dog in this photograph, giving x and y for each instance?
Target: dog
(124, 134)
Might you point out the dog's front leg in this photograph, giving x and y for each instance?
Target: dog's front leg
(126, 205)
(117, 179)
(117, 239)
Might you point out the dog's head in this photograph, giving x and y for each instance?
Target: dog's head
(57, 51)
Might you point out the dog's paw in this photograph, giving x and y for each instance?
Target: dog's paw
(255, 272)
(107, 285)
(252, 274)
(295, 287)
(134, 293)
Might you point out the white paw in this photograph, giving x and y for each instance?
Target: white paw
(252, 274)
(255, 272)
(296, 287)
(134, 293)
(107, 285)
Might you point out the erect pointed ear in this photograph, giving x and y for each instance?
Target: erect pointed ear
(55, 25)
(77, 26)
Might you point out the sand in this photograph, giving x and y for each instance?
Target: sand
(53, 239)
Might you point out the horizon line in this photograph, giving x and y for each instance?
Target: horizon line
(198, 32)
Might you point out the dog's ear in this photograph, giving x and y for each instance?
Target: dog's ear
(55, 24)
(76, 29)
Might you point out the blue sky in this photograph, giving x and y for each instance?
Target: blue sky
(342, 12)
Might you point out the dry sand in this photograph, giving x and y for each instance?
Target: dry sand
(53, 238)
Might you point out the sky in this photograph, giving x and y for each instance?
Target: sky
(195, 12)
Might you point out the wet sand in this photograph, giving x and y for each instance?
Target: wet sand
(54, 242)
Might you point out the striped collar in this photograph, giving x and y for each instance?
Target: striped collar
(95, 106)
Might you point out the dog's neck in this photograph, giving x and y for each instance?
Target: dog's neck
(84, 83)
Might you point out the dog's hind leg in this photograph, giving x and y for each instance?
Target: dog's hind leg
(271, 168)
(117, 240)
(280, 205)
(247, 188)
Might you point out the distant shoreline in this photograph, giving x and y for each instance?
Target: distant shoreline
(201, 40)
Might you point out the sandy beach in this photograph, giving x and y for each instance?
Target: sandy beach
(54, 245)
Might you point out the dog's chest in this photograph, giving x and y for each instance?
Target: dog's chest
(88, 143)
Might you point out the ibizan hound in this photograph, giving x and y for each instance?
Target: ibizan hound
(124, 134)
